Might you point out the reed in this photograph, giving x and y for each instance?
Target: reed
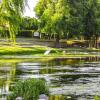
(29, 89)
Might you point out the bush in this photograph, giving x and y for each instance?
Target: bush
(29, 89)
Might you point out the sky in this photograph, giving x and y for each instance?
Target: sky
(29, 10)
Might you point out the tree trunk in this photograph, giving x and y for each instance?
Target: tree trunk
(93, 42)
(96, 41)
(90, 43)
(57, 44)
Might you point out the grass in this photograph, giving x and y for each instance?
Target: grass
(18, 60)
(38, 51)
(29, 89)
(8, 50)
(97, 98)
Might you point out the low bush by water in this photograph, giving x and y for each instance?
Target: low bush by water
(29, 89)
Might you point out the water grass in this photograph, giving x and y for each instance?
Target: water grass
(97, 98)
(29, 89)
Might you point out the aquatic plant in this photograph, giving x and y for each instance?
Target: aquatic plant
(97, 98)
(29, 89)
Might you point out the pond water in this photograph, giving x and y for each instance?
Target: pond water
(68, 78)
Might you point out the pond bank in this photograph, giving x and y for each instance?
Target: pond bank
(39, 52)
(67, 78)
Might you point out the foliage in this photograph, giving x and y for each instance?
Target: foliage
(29, 23)
(56, 18)
(92, 17)
(10, 15)
(52, 17)
(84, 18)
(70, 18)
(28, 26)
(29, 89)
(97, 98)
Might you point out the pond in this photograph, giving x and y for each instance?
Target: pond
(67, 78)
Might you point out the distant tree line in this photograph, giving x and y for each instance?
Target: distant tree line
(70, 19)
(56, 19)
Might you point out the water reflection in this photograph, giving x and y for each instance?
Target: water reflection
(56, 97)
(68, 78)
(7, 75)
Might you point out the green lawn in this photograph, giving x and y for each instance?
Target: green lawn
(40, 50)
(17, 50)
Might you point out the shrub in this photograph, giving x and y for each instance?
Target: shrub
(29, 89)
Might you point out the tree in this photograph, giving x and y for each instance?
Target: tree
(29, 23)
(84, 19)
(91, 22)
(28, 26)
(10, 15)
(71, 18)
(75, 18)
(52, 16)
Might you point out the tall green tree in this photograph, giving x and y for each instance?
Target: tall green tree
(71, 17)
(52, 15)
(91, 22)
(84, 19)
(29, 24)
(76, 16)
(10, 15)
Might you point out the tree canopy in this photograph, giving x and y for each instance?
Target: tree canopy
(60, 18)
(10, 15)
(29, 24)
(69, 17)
